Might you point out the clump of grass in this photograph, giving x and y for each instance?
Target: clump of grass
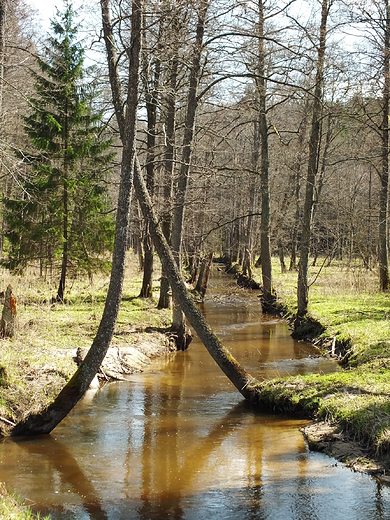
(12, 507)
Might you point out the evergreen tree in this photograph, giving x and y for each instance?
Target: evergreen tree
(62, 213)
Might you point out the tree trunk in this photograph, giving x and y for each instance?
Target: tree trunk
(303, 289)
(246, 264)
(266, 264)
(384, 176)
(169, 158)
(202, 270)
(297, 185)
(151, 110)
(147, 280)
(8, 316)
(178, 322)
(65, 247)
(281, 256)
(45, 421)
(206, 275)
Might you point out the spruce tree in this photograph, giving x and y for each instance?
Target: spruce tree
(62, 214)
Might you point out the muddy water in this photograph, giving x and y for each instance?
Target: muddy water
(179, 442)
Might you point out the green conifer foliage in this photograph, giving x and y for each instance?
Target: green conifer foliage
(62, 216)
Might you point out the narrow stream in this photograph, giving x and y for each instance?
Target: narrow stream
(179, 442)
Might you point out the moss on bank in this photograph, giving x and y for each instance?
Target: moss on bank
(354, 326)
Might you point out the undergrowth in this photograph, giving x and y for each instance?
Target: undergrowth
(12, 507)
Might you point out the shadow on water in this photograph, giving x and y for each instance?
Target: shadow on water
(64, 469)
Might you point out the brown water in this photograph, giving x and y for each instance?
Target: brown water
(179, 441)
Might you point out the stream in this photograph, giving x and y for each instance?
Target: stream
(178, 441)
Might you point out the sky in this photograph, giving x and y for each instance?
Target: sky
(46, 9)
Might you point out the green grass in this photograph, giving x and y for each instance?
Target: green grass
(12, 507)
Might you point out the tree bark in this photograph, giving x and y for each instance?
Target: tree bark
(45, 421)
(151, 110)
(178, 322)
(8, 316)
(384, 176)
(64, 266)
(303, 289)
(266, 263)
(169, 158)
(206, 275)
(297, 185)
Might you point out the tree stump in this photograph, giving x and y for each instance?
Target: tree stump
(8, 317)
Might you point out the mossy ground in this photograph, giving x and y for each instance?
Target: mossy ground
(356, 320)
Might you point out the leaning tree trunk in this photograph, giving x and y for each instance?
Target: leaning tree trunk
(232, 369)
(45, 421)
(303, 289)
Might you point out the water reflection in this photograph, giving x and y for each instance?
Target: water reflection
(179, 442)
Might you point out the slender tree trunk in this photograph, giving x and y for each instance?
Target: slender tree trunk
(169, 158)
(65, 247)
(266, 264)
(320, 185)
(384, 176)
(303, 289)
(202, 270)
(206, 275)
(45, 421)
(297, 185)
(178, 322)
(151, 110)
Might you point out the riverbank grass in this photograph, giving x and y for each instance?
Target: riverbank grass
(356, 325)
(13, 507)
